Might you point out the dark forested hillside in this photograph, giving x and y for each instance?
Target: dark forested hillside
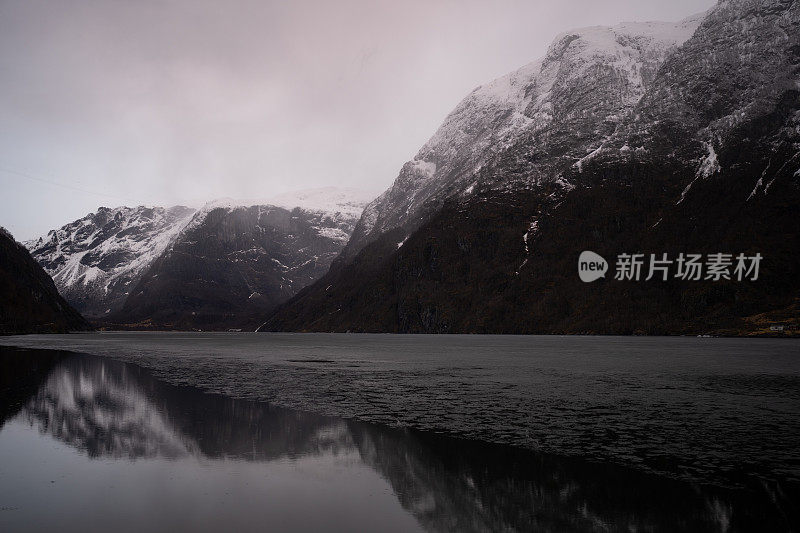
(29, 300)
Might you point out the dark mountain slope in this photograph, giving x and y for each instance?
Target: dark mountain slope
(29, 300)
(458, 273)
(707, 162)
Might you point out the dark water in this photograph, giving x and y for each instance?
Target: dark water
(608, 434)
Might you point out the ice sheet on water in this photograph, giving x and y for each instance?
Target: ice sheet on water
(707, 410)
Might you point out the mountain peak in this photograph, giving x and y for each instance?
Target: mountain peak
(95, 260)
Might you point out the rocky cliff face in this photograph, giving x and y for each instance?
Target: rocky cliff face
(565, 105)
(29, 300)
(96, 261)
(698, 154)
(234, 262)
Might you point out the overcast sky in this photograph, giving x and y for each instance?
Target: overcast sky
(128, 102)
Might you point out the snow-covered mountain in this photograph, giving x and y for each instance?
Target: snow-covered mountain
(96, 260)
(566, 104)
(639, 138)
(106, 258)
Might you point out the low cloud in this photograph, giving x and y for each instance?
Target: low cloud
(166, 102)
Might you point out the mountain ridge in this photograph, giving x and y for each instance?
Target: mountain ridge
(100, 261)
(600, 71)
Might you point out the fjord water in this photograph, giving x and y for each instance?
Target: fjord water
(344, 432)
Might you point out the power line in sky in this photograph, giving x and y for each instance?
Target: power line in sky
(66, 186)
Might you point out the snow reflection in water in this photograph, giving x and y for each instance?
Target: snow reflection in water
(135, 451)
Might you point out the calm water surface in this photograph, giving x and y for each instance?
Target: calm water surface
(395, 433)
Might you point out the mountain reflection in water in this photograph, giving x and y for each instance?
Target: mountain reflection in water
(117, 412)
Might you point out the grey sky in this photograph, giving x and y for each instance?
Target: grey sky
(167, 102)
